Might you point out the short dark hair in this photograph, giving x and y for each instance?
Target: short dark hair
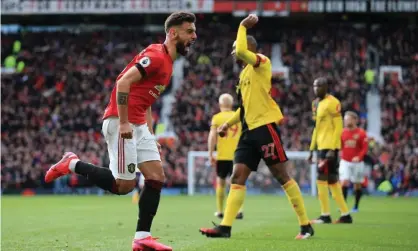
(251, 40)
(324, 80)
(178, 18)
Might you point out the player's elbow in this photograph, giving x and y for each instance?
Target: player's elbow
(123, 85)
(212, 138)
(240, 53)
(122, 82)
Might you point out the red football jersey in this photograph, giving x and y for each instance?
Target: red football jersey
(156, 67)
(354, 143)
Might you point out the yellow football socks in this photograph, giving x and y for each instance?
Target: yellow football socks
(323, 195)
(220, 196)
(295, 198)
(337, 194)
(233, 204)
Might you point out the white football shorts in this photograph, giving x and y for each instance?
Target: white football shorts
(126, 154)
(352, 171)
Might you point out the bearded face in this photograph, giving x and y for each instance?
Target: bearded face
(183, 46)
(185, 36)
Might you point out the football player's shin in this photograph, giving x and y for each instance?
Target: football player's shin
(148, 205)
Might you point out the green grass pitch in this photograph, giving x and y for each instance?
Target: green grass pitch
(107, 223)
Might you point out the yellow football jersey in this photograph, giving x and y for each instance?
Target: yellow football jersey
(328, 124)
(257, 107)
(226, 145)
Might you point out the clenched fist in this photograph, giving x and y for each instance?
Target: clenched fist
(222, 130)
(249, 21)
(125, 130)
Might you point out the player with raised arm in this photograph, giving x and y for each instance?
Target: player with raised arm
(326, 139)
(354, 148)
(260, 137)
(226, 146)
(130, 141)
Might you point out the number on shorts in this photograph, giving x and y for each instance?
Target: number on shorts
(269, 151)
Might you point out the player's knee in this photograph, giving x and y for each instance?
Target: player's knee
(153, 170)
(125, 186)
(279, 172)
(240, 174)
(157, 176)
(237, 179)
(220, 181)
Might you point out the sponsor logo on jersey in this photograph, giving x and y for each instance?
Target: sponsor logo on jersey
(160, 89)
(349, 143)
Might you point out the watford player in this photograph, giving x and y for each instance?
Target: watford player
(354, 148)
(326, 139)
(225, 150)
(260, 137)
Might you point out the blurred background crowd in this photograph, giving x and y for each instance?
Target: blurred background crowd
(55, 100)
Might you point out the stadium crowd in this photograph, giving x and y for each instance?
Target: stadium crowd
(56, 103)
(398, 157)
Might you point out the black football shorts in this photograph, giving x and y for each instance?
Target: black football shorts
(263, 142)
(325, 165)
(224, 168)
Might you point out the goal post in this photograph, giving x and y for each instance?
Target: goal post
(200, 175)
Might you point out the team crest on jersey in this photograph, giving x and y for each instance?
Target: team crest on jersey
(355, 136)
(160, 89)
(145, 61)
(131, 168)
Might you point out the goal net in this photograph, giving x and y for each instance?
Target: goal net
(202, 176)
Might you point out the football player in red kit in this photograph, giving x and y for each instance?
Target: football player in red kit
(127, 128)
(354, 148)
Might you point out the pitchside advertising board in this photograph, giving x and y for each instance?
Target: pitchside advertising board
(41, 7)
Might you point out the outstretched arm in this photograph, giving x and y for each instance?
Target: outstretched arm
(235, 118)
(241, 48)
